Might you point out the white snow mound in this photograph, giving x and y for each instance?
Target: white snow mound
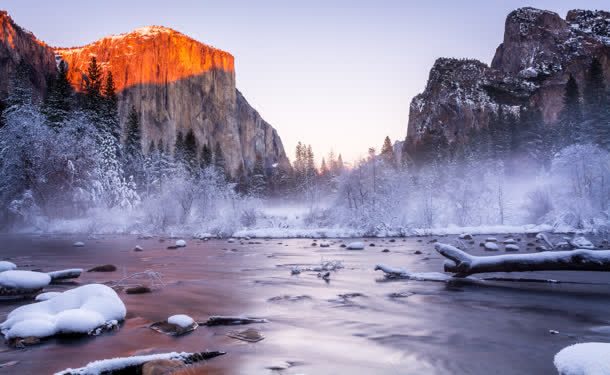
(108, 365)
(24, 279)
(180, 243)
(355, 245)
(7, 266)
(589, 358)
(78, 310)
(181, 320)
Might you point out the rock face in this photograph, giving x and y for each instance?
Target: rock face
(17, 44)
(530, 68)
(176, 84)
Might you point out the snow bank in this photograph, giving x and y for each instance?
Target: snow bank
(24, 279)
(589, 358)
(7, 266)
(79, 310)
(181, 320)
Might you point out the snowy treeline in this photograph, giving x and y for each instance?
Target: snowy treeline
(64, 161)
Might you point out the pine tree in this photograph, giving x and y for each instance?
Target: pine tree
(179, 149)
(206, 156)
(58, 102)
(258, 181)
(569, 125)
(20, 87)
(190, 151)
(93, 87)
(134, 157)
(387, 152)
(596, 104)
(219, 158)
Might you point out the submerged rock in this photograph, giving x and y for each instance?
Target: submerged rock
(248, 335)
(103, 268)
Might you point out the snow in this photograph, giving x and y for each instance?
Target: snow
(24, 279)
(7, 266)
(181, 320)
(400, 273)
(78, 310)
(108, 365)
(358, 245)
(491, 246)
(180, 243)
(589, 358)
(46, 296)
(78, 244)
(511, 247)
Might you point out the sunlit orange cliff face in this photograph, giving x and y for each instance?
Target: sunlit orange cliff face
(177, 85)
(150, 55)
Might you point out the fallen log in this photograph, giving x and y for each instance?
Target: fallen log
(463, 264)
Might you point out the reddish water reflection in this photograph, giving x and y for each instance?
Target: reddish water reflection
(439, 329)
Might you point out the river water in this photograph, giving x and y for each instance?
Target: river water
(385, 327)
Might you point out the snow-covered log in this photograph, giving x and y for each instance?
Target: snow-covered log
(464, 264)
(60, 275)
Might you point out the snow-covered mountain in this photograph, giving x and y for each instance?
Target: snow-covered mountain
(176, 84)
(530, 69)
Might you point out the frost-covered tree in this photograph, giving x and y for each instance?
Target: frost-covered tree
(387, 152)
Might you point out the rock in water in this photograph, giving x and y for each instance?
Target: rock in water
(161, 367)
(103, 268)
(78, 244)
(491, 246)
(180, 243)
(138, 248)
(138, 289)
(249, 335)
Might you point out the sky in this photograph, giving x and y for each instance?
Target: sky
(336, 74)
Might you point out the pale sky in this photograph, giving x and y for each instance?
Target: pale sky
(334, 74)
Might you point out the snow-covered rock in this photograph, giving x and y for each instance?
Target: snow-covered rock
(70, 273)
(180, 243)
(78, 244)
(510, 241)
(181, 320)
(24, 279)
(491, 246)
(511, 247)
(324, 244)
(465, 236)
(110, 366)
(7, 266)
(581, 243)
(80, 310)
(358, 245)
(491, 239)
(138, 248)
(589, 358)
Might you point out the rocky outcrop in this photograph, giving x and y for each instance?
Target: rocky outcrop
(176, 84)
(530, 68)
(17, 44)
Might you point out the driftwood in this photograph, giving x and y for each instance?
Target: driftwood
(463, 264)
